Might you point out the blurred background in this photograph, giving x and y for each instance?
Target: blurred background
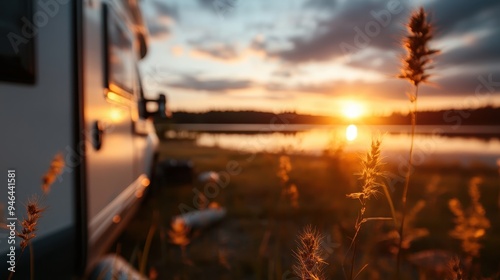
(275, 104)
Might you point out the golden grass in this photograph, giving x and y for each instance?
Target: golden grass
(471, 224)
(250, 200)
(371, 176)
(34, 210)
(309, 255)
(414, 70)
(29, 223)
(415, 64)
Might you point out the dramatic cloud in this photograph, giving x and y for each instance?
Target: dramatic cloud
(219, 7)
(378, 25)
(483, 82)
(215, 48)
(393, 89)
(206, 3)
(209, 85)
(283, 73)
(385, 62)
(476, 24)
(481, 51)
(165, 10)
(461, 16)
(353, 26)
(325, 48)
(157, 29)
(159, 24)
(321, 4)
(220, 51)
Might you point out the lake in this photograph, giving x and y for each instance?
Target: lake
(465, 144)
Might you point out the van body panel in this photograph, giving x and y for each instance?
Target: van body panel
(77, 107)
(37, 122)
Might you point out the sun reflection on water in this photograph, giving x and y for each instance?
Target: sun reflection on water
(351, 132)
(314, 140)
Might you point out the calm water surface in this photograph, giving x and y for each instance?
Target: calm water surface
(467, 144)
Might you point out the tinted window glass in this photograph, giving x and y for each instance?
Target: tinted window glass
(120, 56)
(17, 44)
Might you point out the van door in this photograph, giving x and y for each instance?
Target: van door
(109, 77)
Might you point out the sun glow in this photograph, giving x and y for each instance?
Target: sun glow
(351, 132)
(352, 110)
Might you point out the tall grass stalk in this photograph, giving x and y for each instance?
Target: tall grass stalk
(309, 255)
(34, 211)
(391, 204)
(498, 201)
(471, 223)
(370, 176)
(147, 245)
(288, 197)
(415, 66)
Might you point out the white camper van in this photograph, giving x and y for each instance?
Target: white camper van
(69, 84)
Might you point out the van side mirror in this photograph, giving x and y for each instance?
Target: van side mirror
(162, 110)
(162, 106)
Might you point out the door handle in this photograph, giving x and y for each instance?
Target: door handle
(97, 134)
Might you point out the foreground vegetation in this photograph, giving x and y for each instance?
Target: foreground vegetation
(240, 247)
(434, 223)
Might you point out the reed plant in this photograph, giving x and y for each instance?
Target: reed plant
(288, 200)
(371, 177)
(456, 269)
(309, 254)
(179, 235)
(289, 190)
(34, 210)
(471, 223)
(415, 70)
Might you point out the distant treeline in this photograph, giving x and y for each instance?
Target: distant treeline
(249, 117)
(479, 116)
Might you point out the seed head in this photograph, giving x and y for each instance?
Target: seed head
(309, 261)
(370, 174)
(56, 167)
(416, 62)
(30, 222)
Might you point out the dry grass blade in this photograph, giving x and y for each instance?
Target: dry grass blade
(56, 167)
(370, 174)
(416, 62)
(391, 204)
(360, 270)
(179, 233)
(470, 224)
(149, 240)
(456, 270)
(370, 177)
(414, 70)
(34, 211)
(309, 261)
(29, 223)
(284, 169)
(376, 219)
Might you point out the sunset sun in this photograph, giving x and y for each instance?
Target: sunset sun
(352, 110)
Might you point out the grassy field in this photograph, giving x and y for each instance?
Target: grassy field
(257, 237)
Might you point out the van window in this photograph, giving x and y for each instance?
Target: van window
(18, 32)
(120, 56)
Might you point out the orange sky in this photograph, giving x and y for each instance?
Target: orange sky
(316, 56)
